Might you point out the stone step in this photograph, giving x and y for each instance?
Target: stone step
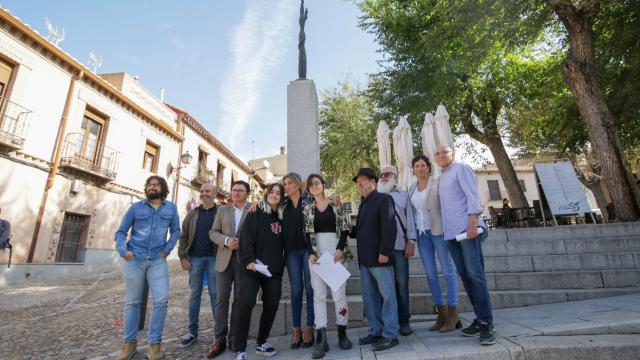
(541, 246)
(537, 263)
(588, 279)
(421, 303)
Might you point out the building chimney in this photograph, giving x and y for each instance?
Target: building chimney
(283, 150)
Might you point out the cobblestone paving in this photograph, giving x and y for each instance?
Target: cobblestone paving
(82, 319)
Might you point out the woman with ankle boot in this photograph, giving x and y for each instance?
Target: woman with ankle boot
(327, 228)
(425, 203)
(260, 244)
(297, 255)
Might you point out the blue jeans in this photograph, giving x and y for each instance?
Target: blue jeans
(379, 300)
(467, 255)
(431, 246)
(401, 272)
(299, 280)
(200, 266)
(157, 274)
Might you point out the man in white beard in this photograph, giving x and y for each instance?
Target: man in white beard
(405, 242)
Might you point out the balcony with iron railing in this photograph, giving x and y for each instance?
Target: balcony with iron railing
(14, 122)
(202, 175)
(83, 154)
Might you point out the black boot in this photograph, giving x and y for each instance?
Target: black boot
(321, 346)
(343, 340)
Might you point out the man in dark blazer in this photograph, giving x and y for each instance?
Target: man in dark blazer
(375, 232)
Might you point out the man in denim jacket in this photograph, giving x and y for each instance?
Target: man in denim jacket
(145, 257)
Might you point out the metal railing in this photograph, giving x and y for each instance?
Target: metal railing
(202, 175)
(84, 153)
(14, 122)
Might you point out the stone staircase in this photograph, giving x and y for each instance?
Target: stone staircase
(524, 267)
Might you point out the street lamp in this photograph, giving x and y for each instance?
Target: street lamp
(185, 159)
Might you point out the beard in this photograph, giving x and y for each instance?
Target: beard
(154, 195)
(386, 187)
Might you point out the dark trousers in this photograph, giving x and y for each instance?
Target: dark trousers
(225, 281)
(250, 283)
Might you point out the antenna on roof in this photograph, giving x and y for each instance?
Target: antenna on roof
(95, 61)
(54, 35)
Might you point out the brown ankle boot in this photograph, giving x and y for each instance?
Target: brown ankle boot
(296, 338)
(453, 320)
(154, 352)
(442, 317)
(307, 337)
(129, 349)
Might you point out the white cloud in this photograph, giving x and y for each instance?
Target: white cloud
(258, 45)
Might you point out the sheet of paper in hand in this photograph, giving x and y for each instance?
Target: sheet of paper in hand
(332, 273)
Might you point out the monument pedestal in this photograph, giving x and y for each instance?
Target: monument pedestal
(303, 131)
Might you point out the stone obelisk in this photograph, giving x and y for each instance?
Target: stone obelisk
(303, 132)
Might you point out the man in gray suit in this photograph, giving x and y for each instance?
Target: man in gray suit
(224, 233)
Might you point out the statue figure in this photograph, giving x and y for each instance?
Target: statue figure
(302, 55)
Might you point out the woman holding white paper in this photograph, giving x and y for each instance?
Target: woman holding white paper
(261, 244)
(327, 228)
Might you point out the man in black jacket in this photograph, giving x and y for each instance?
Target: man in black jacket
(376, 235)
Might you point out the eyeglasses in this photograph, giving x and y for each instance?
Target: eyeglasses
(443, 153)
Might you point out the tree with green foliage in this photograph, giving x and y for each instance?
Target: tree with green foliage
(347, 136)
(484, 58)
(460, 53)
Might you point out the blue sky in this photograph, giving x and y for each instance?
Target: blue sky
(227, 62)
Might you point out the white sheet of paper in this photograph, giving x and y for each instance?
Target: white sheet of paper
(263, 269)
(332, 273)
(463, 236)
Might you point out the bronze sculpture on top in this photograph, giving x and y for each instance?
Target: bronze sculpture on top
(302, 55)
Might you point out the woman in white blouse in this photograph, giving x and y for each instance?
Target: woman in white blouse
(425, 203)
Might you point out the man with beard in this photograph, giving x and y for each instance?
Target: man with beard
(145, 258)
(375, 233)
(405, 242)
(198, 256)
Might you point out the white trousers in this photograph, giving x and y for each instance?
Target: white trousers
(327, 242)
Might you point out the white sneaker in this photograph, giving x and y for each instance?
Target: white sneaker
(240, 356)
(265, 349)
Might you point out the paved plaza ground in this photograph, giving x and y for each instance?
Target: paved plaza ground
(82, 319)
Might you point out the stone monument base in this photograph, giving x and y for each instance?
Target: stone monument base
(303, 131)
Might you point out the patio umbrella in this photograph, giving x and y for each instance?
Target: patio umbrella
(430, 141)
(403, 150)
(384, 146)
(443, 130)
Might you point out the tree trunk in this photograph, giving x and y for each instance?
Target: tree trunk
(580, 75)
(507, 172)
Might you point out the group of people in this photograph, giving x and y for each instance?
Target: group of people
(245, 247)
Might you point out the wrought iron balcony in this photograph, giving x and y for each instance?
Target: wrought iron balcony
(86, 155)
(202, 175)
(14, 122)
